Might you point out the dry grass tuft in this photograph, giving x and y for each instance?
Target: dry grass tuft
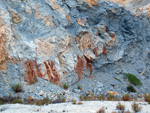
(102, 110)
(136, 108)
(120, 107)
(79, 103)
(17, 88)
(147, 97)
(126, 97)
(74, 101)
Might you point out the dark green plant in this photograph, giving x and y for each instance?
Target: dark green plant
(79, 87)
(130, 88)
(17, 101)
(117, 79)
(65, 86)
(136, 108)
(132, 79)
(17, 88)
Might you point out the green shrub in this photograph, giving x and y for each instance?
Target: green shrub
(17, 88)
(132, 79)
(136, 107)
(65, 86)
(79, 87)
(130, 88)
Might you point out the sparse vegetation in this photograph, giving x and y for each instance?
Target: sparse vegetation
(132, 79)
(130, 88)
(41, 102)
(147, 98)
(1, 102)
(79, 103)
(74, 102)
(136, 108)
(17, 101)
(63, 100)
(120, 107)
(126, 97)
(111, 97)
(65, 86)
(17, 88)
(102, 110)
(79, 87)
(117, 79)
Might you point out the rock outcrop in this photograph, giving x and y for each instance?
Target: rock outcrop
(64, 41)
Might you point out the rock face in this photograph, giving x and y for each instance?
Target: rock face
(64, 41)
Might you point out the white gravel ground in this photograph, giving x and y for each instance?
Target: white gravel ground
(86, 107)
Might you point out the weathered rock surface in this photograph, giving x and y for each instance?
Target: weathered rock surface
(64, 41)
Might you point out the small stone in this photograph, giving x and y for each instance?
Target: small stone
(77, 90)
(41, 93)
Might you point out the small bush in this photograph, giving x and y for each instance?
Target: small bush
(17, 101)
(102, 97)
(126, 97)
(130, 88)
(38, 102)
(120, 107)
(63, 100)
(147, 97)
(136, 107)
(132, 79)
(17, 88)
(74, 102)
(102, 110)
(46, 101)
(65, 86)
(79, 87)
(1, 102)
(111, 97)
(79, 103)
